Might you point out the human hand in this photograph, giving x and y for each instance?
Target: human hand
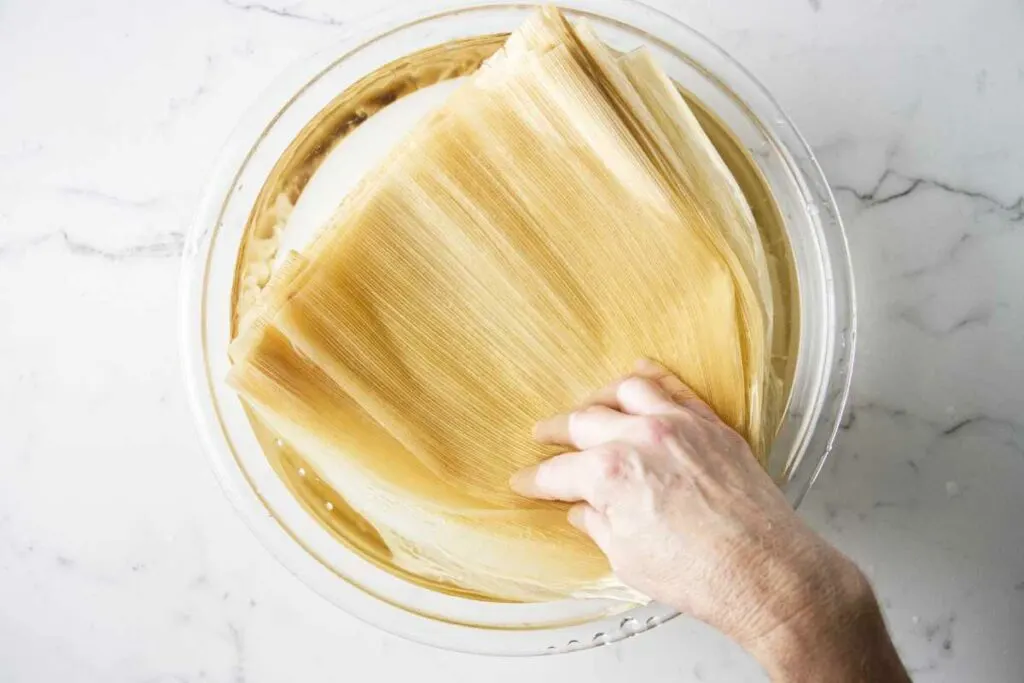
(687, 516)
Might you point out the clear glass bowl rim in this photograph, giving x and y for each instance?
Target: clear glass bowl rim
(841, 309)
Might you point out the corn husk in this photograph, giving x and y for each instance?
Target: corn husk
(562, 215)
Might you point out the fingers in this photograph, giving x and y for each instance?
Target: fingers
(587, 519)
(583, 429)
(589, 475)
(669, 383)
(645, 392)
(652, 391)
(633, 410)
(634, 394)
(676, 389)
(569, 477)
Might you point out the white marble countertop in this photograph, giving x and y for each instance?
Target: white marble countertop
(120, 559)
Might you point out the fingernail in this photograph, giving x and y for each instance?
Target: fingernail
(576, 517)
(521, 480)
(646, 363)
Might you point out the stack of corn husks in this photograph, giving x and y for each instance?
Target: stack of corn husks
(560, 216)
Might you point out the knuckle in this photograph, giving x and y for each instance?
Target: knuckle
(635, 383)
(610, 464)
(655, 429)
(637, 389)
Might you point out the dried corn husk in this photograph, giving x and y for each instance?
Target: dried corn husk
(562, 215)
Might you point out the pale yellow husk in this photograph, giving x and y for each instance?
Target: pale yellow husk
(562, 215)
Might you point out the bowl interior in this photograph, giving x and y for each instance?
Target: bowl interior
(280, 179)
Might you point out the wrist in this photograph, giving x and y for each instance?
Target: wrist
(824, 614)
(839, 635)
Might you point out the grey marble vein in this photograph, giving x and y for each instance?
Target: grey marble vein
(91, 194)
(176, 104)
(164, 245)
(977, 317)
(168, 245)
(942, 428)
(874, 196)
(238, 647)
(284, 12)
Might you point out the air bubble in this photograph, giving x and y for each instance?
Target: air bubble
(329, 505)
(302, 471)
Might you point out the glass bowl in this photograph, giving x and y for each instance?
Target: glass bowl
(298, 103)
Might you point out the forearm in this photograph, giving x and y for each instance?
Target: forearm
(685, 514)
(841, 639)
